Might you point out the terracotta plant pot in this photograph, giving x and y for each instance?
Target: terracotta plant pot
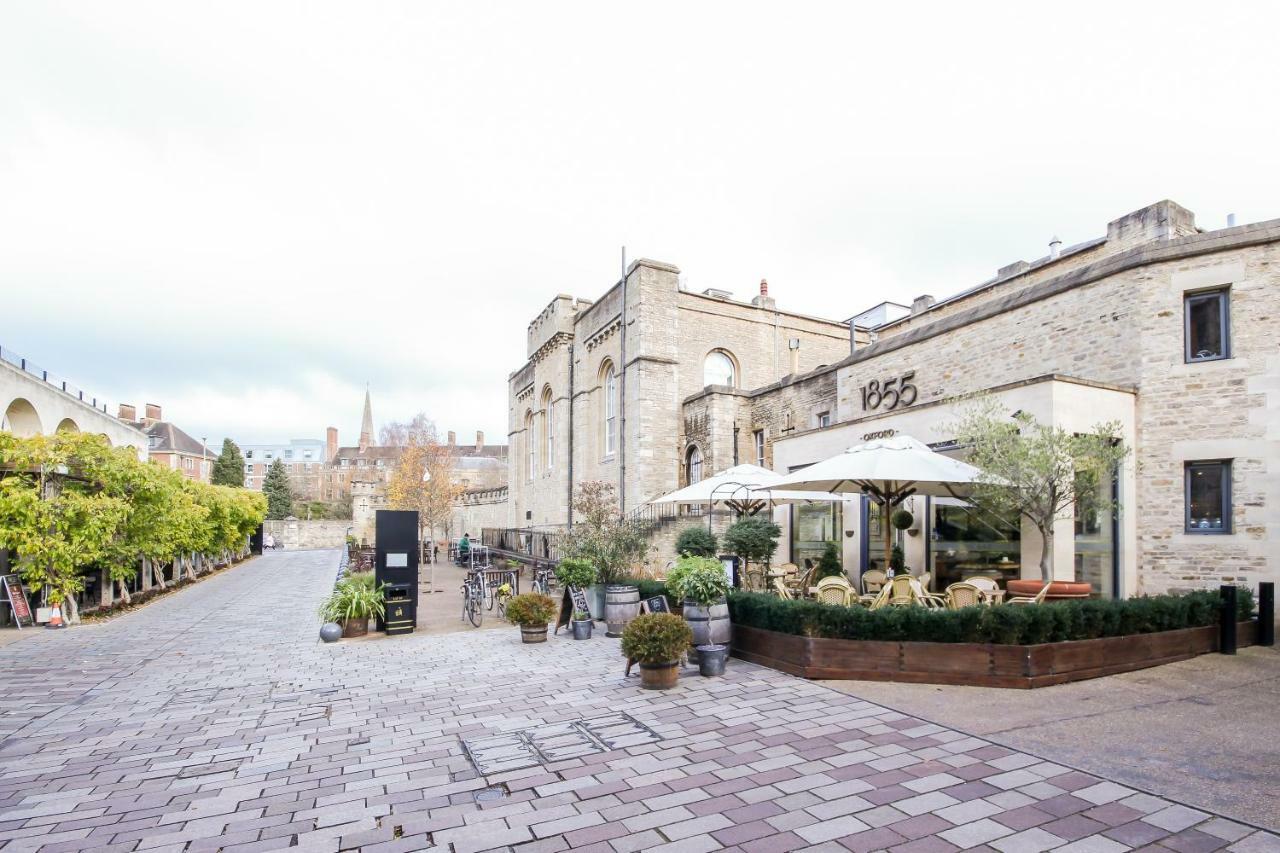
(355, 627)
(533, 633)
(659, 676)
(1058, 590)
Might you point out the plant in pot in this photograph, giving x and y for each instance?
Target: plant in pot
(656, 641)
(698, 541)
(582, 625)
(701, 584)
(829, 564)
(613, 544)
(354, 601)
(753, 539)
(533, 612)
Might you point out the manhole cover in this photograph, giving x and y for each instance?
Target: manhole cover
(556, 742)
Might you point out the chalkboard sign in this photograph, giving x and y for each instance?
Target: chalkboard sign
(17, 598)
(657, 604)
(574, 601)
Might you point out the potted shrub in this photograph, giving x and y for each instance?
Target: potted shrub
(701, 584)
(354, 601)
(829, 565)
(698, 541)
(577, 572)
(613, 544)
(582, 625)
(533, 612)
(754, 539)
(656, 641)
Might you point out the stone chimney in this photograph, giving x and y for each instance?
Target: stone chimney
(479, 441)
(794, 346)
(764, 300)
(330, 443)
(453, 438)
(128, 412)
(1164, 220)
(921, 304)
(151, 414)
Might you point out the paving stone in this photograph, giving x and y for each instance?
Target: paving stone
(1028, 841)
(1175, 818)
(975, 833)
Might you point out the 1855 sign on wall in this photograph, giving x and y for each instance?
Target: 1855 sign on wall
(896, 392)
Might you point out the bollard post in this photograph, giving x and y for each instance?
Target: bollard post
(1227, 620)
(1266, 614)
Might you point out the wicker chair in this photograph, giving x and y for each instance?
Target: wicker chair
(753, 579)
(990, 589)
(781, 589)
(803, 580)
(1025, 599)
(835, 590)
(964, 595)
(926, 580)
(873, 580)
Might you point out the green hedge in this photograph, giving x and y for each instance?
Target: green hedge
(649, 588)
(1005, 625)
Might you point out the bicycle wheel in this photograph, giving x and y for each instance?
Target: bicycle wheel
(490, 588)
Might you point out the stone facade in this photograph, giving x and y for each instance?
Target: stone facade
(296, 534)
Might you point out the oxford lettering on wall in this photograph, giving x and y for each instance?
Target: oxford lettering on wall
(893, 392)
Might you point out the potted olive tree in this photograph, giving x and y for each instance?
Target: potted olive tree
(656, 641)
(613, 544)
(578, 573)
(701, 584)
(533, 612)
(753, 539)
(698, 541)
(354, 601)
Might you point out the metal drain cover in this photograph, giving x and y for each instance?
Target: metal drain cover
(556, 742)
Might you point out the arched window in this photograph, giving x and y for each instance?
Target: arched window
(531, 444)
(718, 369)
(610, 411)
(548, 430)
(693, 465)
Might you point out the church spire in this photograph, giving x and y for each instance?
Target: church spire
(366, 423)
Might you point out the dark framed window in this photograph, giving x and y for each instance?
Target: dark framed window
(1208, 496)
(1207, 325)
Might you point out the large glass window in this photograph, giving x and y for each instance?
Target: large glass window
(1095, 544)
(813, 526)
(610, 412)
(1208, 487)
(718, 369)
(693, 465)
(1207, 321)
(966, 542)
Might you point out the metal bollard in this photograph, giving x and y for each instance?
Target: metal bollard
(1266, 614)
(1227, 620)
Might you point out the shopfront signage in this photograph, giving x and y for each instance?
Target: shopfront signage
(17, 598)
(895, 392)
(884, 433)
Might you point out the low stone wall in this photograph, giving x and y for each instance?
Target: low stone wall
(297, 534)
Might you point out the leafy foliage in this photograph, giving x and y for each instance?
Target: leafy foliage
(656, 638)
(829, 564)
(575, 572)
(357, 596)
(698, 541)
(278, 491)
(902, 519)
(1003, 625)
(897, 559)
(698, 579)
(613, 544)
(423, 479)
(531, 608)
(1036, 471)
(753, 539)
(228, 468)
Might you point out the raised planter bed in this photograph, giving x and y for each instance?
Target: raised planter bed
(1058, 590)
(978, 664)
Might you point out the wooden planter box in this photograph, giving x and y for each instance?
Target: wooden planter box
(978, 664)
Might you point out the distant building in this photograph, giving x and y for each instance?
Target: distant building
(169, 446)
(303, 457)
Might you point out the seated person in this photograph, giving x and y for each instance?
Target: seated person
(464, 548)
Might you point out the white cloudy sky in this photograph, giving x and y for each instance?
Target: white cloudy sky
(246, 211)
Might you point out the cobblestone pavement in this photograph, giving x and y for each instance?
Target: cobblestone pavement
(213, 720)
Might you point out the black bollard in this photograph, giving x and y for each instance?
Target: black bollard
(1266, 613)
(1227, 620)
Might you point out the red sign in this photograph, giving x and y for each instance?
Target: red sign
(17, 599)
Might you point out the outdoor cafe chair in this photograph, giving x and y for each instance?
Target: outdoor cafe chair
(835, 590)
(873, 580)
(781, 589)
(963, 594)
(990, 589)
(926, 580)
(1026, 599)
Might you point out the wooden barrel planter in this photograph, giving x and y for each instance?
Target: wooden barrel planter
(1058, 590)
(621, 605)
(710, 625)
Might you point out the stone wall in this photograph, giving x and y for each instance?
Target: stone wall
(297, 534)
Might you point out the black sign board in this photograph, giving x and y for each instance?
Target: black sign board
(574, 601)
(657, 604)
(17, 598)
(396, 565)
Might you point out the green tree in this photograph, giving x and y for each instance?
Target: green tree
(698, 541)
(753, 539)
(1038, 472)
(613, 544)
(228, 468)
(829, 565)
(278, 491)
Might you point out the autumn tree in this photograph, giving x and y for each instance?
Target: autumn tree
(423, 477)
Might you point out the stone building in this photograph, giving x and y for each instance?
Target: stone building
(1168, 329)
(169, 446)
(303, 458)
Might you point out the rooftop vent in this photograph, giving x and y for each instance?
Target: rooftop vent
(1055, 248)
(716, 293)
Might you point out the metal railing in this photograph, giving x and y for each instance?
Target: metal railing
(536, 543)
(29, 367)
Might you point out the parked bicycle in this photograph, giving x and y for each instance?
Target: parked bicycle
(542, 580)
(473, 598)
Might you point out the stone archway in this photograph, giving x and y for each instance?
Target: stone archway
(20, 418)
(68, 425)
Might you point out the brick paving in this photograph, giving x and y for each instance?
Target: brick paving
(213, 720)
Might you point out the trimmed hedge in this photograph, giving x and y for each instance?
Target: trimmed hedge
(1004, 625)
(649, 588)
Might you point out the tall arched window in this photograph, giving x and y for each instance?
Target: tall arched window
(718, 369)
(548, 430)
(531, 445)
(693, 465)
(610, 411)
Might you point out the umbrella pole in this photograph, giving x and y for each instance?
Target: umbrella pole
(888, 536)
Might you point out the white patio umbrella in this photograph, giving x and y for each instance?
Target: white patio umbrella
(735, 485)
(890, 470)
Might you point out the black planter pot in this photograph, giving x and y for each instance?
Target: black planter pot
(582, 630)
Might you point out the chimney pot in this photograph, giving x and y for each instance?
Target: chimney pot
(479, 440)
(128, 412)
(453, 438)
(764, 287)
(152, 412)
(1055, 248)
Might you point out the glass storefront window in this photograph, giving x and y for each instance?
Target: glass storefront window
(967, 543)
(812, 527)
(1095, 545)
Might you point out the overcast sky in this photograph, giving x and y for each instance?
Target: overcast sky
(248, 211)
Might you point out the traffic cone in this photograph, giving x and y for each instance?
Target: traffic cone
(55, 617)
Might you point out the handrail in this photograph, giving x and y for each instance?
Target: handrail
(30, 367)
